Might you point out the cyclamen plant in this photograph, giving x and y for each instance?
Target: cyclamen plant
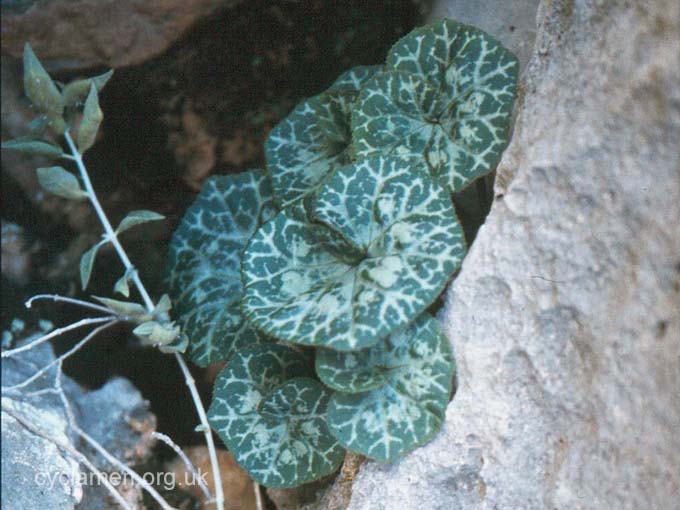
(311, 278)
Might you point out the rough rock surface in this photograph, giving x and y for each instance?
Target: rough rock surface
(566, 315)
(512, 22)
(38, 474)
(79, 34)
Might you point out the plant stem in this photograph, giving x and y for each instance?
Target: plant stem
(110, 322)
(259, 504)
(113, 238)
(63, 299)
(108, 229)
(55, 333)
(207, 431)
(187, 463)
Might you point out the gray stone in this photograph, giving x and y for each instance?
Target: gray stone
(513, 22)
(565, 317)
(36, 473)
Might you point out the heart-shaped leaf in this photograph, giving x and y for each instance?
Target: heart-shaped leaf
(308, 144)
(406, 242)
(204, 264)
(271, 415)
(315, 138)
(354, 79)
(446, 96)
(409, 379)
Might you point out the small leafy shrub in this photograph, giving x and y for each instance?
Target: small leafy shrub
(314, 287)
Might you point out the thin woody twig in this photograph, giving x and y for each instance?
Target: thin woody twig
(111, 236)
(54, 334)
(187, 462)
(60, 359)
(63, 299)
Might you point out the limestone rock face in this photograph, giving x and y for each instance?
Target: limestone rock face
(80, 34)
(565, 317)
(511, 22)
(38, 468)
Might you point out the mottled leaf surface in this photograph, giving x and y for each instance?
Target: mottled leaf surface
(415, 370)
(271, 415)
(446, 96)
(309, 143)
(405, 243)
(204, 263)
(355, 78)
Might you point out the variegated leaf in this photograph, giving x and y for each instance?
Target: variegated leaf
(355, 78)
(204, 264)
(415, 370)
(271, 415)
(406, 242)
(446, 96)
(308, 144)
(315, 138)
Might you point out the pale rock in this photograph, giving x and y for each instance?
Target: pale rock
(565, 318)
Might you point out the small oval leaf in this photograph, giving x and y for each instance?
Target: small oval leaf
(122, 285)
(136, 218)
(76, 92)
(37, 126)
(60, 182)
(129, 309)
(87, 262)
(40, 88)
(39, 147)
(156, 333)
(92, 118)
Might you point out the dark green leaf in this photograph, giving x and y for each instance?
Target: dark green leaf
(404, 383)
(354, 79)
(271, 415)
(309, 144)
(446, 96)
(400, 222)
(204, 264)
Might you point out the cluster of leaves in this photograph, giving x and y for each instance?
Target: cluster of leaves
(311, 278)
(71, 113)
